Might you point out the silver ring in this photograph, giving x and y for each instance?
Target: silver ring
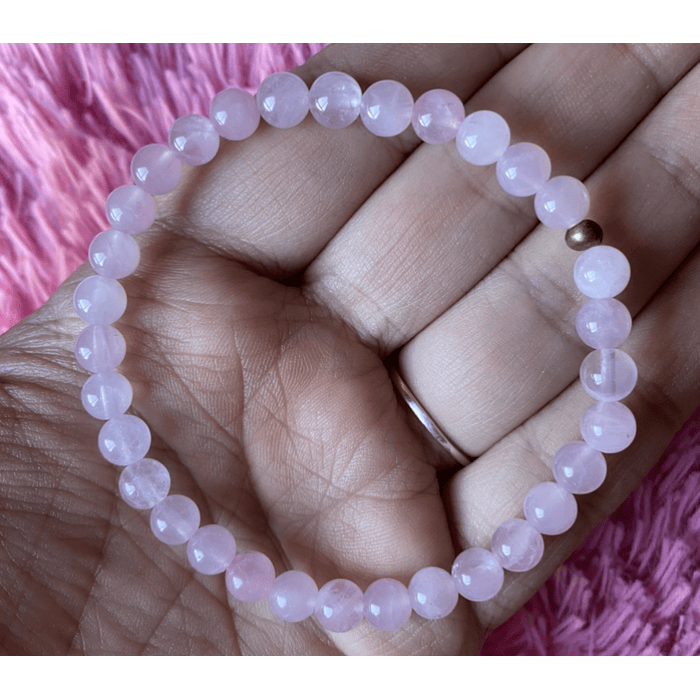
(424, 417)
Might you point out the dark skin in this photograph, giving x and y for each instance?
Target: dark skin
(276, 287)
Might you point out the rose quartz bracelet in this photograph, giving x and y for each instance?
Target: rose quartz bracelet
(386, 109)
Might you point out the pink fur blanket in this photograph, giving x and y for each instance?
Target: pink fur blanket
(72, 116)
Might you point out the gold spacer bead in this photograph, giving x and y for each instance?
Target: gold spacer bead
(584, 235)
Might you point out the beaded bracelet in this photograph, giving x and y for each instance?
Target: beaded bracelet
(386, 108)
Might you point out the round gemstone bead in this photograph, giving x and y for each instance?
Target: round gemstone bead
(130, 209)
(156, 169)
(193, 139)
(100, 348)
(234, 114)
(293, 596)
(211, 549)
(608, 426)
(175, 519)
(144, 484)
(562, 202)
(433, 593)
(608, 375)
(124, 440)
(601, 272)
(114, 254)
(99, 300)
(339, 605)
(387, 605)
(603, 323)
(437, 115)
(482, 138)
(250, 577)
(386, 108)
(477, 574)
(579, 468)
(334, 99)
(106, 395)
(517, 545)
(523, 169)
(550, 509)
(283, 100)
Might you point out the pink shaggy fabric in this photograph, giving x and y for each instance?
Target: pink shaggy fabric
(70, 119)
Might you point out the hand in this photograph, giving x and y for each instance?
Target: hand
(276, 285)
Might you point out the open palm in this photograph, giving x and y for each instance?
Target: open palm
(279, 283)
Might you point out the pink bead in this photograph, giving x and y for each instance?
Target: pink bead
(550, 509)
(578, 467)
(482, 138)
(517, 545)
(477, 574)
(130, 209)
(144, 484)
(562, 202)
(250, 577)
(433, 593)
(234, 114)
(175, 519)
(100, 348)
(339, 605)
(293, 596)
(601, 272)
(283, 100)
(106, 395)
(608, 375)
(124, 440)
(334, 100)
(193, 139)
(99, 300)
(523, 169)
(387, 605)
(156, 169)
(211, 549)
(114, 254)
(603, 323)
(608, 426)
(437, 115)
(386, 108)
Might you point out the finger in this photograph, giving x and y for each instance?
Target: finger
(663, 342)
(273, 201)
(439, 225)
(522, 348)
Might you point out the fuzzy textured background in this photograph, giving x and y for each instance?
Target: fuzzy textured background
(71, 117)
